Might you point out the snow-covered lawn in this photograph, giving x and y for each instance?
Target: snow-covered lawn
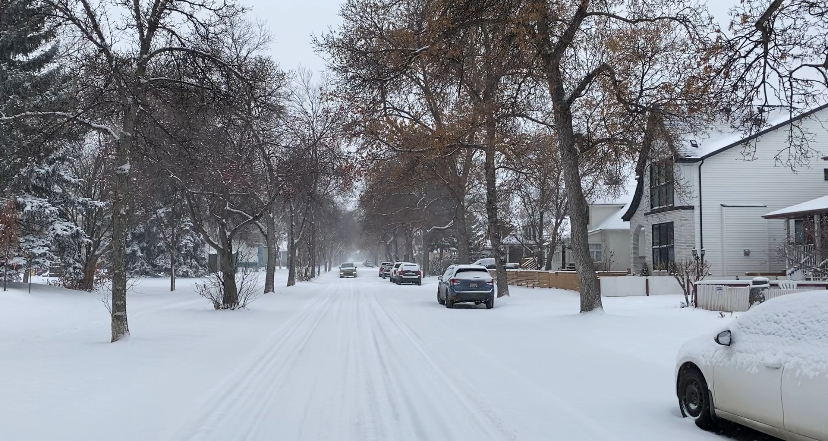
(353, 359)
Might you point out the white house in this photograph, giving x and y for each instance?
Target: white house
(710, 200)
(609, 236)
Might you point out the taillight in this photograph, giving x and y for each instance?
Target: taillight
(454, 281)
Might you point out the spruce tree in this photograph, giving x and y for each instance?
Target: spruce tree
(31, 80)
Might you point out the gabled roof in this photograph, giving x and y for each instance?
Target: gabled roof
(723, 137)
(636, 200)
(814, 206)
(615, 221)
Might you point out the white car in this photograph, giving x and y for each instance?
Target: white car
(489, 262)
(768, 370)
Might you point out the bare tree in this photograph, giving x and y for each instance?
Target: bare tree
(687, 273)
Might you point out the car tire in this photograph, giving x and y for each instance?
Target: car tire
(490, 304)
(694, 398)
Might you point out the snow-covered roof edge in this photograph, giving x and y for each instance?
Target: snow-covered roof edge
(813, 206)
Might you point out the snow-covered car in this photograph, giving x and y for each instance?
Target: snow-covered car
(466, 283)
(347, 269)
(409, 273)
(385, 269)
(489, 263)
(392, 275)
(767, 370)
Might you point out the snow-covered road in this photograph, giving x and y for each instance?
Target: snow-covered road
(343, 359)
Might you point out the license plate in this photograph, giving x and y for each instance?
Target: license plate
(472, 285)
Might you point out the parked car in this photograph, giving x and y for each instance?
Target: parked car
(466, 283)
(409, 273)
(489, 263)
(385, 269)
(767, 370)
(392, 277)
(347, 269)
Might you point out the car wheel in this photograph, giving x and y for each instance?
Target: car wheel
(490, 304)
(694, 398)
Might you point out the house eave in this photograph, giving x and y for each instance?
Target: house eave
(691, 160)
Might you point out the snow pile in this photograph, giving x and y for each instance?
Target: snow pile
(792, 329)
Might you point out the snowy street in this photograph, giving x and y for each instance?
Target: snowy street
(343, 359)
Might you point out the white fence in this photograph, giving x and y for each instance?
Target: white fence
(724, 296)
(625, 286)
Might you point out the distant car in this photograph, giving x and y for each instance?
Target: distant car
(409, 273)
(466, 283)
(347, 269)
(385, 269)
(392, 276)
(489, 263)
(768, 370)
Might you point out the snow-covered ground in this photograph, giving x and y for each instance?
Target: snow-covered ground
(343, 359)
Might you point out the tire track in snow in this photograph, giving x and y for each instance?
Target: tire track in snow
(228, 401)
(461, 390)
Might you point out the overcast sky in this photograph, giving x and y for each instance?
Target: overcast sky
(292, 22)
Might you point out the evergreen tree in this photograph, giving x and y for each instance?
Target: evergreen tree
(30, 81)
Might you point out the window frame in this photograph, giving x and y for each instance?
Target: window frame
(663, 245)
(662, 183)
(596, 249)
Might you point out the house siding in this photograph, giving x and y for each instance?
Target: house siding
(736, 192)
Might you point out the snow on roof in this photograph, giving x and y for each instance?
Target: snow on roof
(812, 206)
(614, 221)
(719, 136)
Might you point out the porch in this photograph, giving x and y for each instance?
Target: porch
(806, 246)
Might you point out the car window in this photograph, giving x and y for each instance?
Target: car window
(465, 270)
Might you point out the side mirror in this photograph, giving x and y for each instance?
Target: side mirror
(725, 338)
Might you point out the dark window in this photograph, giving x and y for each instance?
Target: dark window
(661, 183)
(663, 246)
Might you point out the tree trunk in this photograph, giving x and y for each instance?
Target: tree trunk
(270, 239)
(172, 272)
(312, 245)
(426, 257)
(120, 222)
(230, 294)
(491, 211)
(550, 254)
(462, 231)
(578, 205)
(291, 257)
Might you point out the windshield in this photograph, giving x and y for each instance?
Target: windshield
(466, 270)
